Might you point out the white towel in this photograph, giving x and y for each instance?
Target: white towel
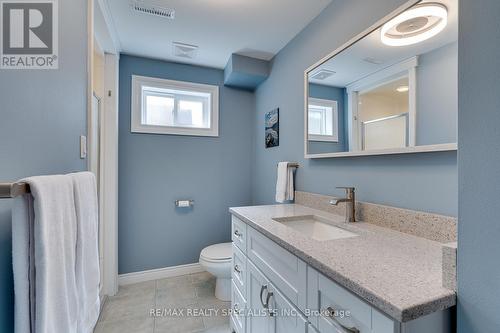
(284, 183)
(87, 250)
(23, 263)
(50, 249)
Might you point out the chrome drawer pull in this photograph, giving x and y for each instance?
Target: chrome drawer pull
(268, 298)
(264, 287)
(345, 329)
(237, 269)
(237, 233)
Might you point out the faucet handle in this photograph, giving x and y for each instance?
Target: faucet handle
(349, 191)
(347, 188)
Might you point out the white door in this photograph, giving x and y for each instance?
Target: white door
(94, 165)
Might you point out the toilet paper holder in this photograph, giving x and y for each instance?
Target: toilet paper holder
(184, 203)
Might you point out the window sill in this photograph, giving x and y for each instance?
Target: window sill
(166, 130)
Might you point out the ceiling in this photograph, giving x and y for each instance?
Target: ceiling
(256, 28)
(388, 89)
(350, 65)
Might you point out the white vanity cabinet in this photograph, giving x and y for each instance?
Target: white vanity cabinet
(286, 317)
(287, 272)
(269, 310)
(350, 313)
(274, 291)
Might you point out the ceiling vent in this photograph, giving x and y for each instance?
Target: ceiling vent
(185, 50)
(322, 74)
(151, 9)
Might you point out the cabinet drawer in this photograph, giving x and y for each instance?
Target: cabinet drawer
(287, 318)
(283, 269)
(239, 270)
(350, 311)
(239, 233)
(238, 317)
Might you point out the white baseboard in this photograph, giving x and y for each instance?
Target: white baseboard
(160, 273)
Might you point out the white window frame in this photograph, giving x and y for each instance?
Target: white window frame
(335, 120)
(136, 111)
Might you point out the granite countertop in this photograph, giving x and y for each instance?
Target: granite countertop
(397, 273)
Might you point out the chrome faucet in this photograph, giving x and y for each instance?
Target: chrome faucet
(350, 200)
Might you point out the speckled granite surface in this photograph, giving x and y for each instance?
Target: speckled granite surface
(397, 273)
(450, 265)
(435, 227)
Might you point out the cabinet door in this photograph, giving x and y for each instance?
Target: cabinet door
(258, 320)
(286, 318)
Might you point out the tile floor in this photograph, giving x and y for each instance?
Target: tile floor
(130, 310)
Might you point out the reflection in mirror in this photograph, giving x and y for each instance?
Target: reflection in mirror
(393, 90)
(323, 117)
(383, 115)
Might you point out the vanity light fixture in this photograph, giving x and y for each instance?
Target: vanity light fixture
(402, 89)
(415, 25)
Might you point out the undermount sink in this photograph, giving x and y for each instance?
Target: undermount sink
(315, 227)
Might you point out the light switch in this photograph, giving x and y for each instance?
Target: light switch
(83, 146)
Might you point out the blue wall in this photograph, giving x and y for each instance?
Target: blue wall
(437, 108)
(479, 167)
(42, 115)
(424, 181)
(155, 170)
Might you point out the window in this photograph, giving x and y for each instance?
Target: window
(323, 120)
(174, 107)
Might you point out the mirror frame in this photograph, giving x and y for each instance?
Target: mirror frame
(349, 43)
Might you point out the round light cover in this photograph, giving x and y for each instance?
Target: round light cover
(415, 25)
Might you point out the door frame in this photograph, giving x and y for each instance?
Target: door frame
(108, 214)
(407, 68)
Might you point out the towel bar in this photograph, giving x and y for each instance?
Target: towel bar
(12, 190)
(293, 165)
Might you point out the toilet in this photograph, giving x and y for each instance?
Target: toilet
(216, 259)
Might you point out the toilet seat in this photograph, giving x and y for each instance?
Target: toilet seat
(217, 253)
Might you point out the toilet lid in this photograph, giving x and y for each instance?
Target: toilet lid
(221, 251)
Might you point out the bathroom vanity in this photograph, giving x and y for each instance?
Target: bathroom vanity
(392, 89)
(299, 269)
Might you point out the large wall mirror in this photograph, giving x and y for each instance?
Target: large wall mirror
(392, 90)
